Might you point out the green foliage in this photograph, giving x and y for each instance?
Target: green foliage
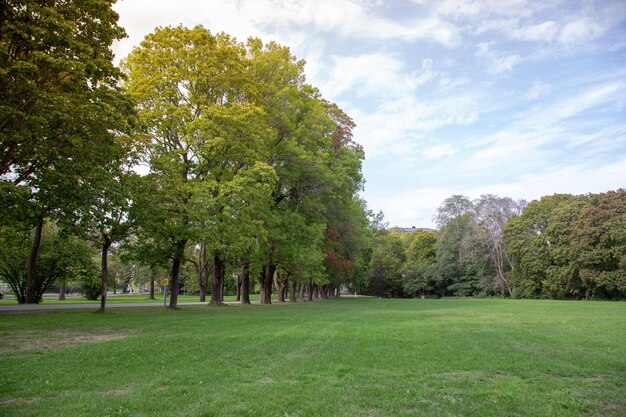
(540, 242)
(244, 158)
(91, 286)
(61, 258)
(62, 112)
(386, 270)
(420, 275)
(57, 85)
(599, 245)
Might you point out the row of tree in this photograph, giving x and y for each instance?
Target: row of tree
(246, 172)
(561, 246)
(243, 165)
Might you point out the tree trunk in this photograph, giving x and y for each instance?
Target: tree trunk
(62, 291)
(245, 282)
(203, 273)
(301, 290)
(105, 272)
(262, 285)
(30, 296)
(316, 293)
(174, 283)
(178, 259)
(152, 278)
(282, 289)
(292, 291)
(217, 281)
(311, 291)
(281, 286)
(267, 275)
(322, 292)
(238, 290)
(202, 287)
(223, 280)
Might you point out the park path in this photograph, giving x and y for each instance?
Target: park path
(44, 307)
(51, 307)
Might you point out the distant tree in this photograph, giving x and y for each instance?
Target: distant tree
(387, 263)
(490, 217)
(454, 253)
(540, 243)
(419, 272)
(599, 245)
(62, 259)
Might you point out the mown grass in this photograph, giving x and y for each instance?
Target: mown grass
(121, 298)
(348, 357)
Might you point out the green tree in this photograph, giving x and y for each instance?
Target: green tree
(104, 219)
(599, 245)
(62, 258)
(540, 242)
(194, 94)
(386, 269)
(419, 272)
(457, 259)
(60, 107)
(310, 153)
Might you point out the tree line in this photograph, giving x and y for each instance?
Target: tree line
(198, 150)
(213, 162)
(560, 246)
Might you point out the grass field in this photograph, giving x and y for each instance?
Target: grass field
(348, 357)
(121, 298)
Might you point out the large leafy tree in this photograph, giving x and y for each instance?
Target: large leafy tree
(456, 259)
(599, 245)
(419, 273)
(60, 107)
(315, 161)
(540, 242)
(204, 132)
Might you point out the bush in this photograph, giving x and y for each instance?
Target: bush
(91, 285)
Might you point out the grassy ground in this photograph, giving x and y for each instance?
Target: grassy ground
(349, 357)
(121, 298)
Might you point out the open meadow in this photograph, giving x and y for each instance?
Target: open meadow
(347, 357)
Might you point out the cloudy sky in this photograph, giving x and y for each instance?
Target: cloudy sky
(510, 97)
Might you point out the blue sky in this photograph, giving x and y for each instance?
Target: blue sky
(510, 97)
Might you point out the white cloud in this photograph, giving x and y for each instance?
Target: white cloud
(580, 31)
(538, 89)
(438, 151)
(542, 32)
(497, 62)
(370, 74)
(416, 206)
(397, 127)
(247, 17)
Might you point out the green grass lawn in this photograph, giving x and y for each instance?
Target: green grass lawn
(121, 298)
(348, 357)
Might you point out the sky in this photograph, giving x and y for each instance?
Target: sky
(509, 97)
